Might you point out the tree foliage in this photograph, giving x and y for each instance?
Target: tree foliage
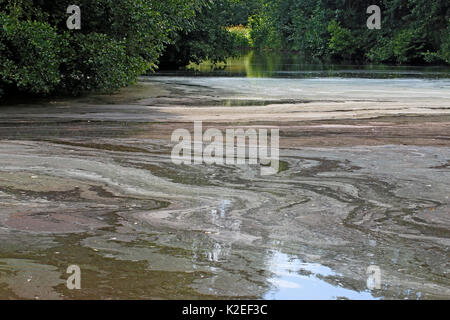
(118, 41)
(413, 31)
(207, 38)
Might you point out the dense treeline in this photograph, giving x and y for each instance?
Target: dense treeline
(120, 40)
(413, 31)
(206, 38)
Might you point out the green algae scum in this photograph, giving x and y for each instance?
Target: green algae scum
(364, 181)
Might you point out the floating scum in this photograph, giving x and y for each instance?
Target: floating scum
(234, 146)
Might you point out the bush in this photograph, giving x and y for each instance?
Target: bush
(240, 36)
(444, 51)
(309, 31)
(342, 43)
(118, 41)
(407, 45)
(96, 62)
(30, 55)
(263, 34)
(382, 51)
(443, 54)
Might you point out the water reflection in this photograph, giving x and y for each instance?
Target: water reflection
(293, 65)
(220, 218)
(293, 279)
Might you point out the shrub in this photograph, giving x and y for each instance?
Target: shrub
(240, 36)
(444, 51)
(342, 43)
(309, 31)
(30, 55)
(97, 62)
(263, 34)
(382, 51)
(407, 46)
(118, 41)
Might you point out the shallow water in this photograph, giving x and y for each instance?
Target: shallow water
(89, 182)
(292, 65)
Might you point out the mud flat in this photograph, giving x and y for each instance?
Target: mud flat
(365, 181)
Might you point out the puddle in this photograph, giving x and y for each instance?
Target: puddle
(295, 280)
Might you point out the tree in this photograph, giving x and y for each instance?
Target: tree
(206, 38)
(118, 41)
(413, 31)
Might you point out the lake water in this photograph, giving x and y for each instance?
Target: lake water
(291, 65)
(365, 182)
